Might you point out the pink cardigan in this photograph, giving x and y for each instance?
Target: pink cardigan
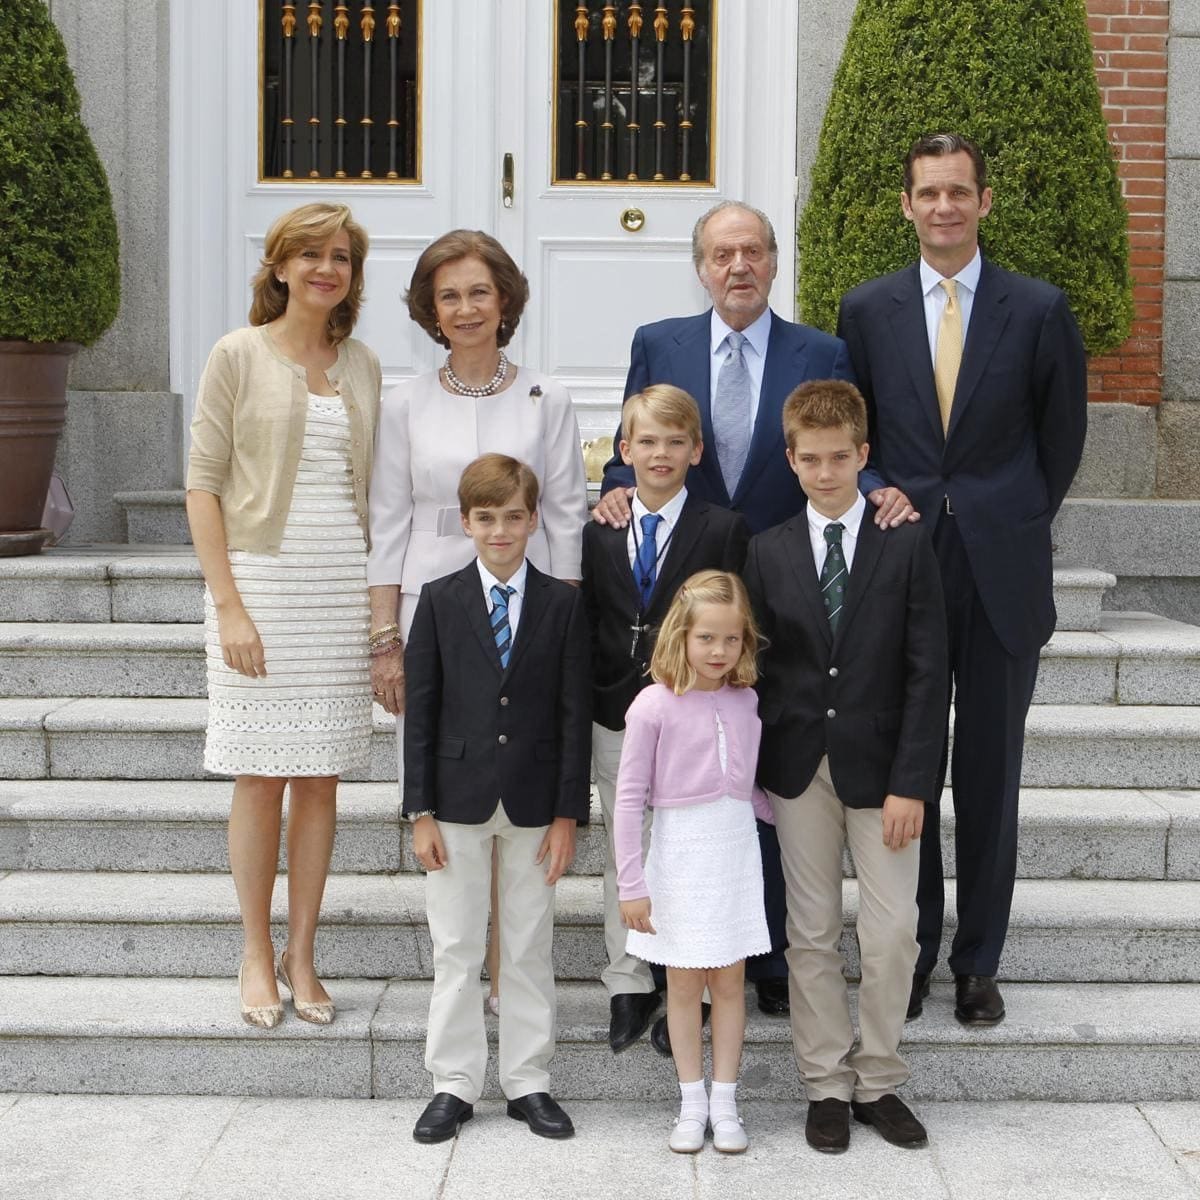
(669, 758)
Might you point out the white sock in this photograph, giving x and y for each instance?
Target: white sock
(693, 1102)
(723, 1104)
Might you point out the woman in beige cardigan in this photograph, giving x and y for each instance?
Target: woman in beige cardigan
(277, 501)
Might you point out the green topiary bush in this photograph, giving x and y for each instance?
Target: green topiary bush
(60, 277)
(1017, 77)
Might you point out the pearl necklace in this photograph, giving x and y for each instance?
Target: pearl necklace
(488, 389)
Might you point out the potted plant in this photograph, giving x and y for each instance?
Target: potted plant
(59, 259)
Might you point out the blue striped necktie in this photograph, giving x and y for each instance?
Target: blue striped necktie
(501, 630)
(834, 575)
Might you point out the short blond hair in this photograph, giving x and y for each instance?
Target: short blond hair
(665, 403)
(669, 664)
(293, 232)
(492, 479)
(825, 404)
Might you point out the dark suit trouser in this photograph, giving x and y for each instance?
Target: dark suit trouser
(992, 692)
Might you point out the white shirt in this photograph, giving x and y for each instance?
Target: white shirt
(754, 350)
(670, 516)
(967, 284)
(851, 519)
(514, 601)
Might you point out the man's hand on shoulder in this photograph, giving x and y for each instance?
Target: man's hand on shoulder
(892, 507)
(613, 508)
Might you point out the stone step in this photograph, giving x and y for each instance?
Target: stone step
(1079, 594)
(1080, 745)
(180, 826)
(1133, 658)
(1099, 1042)
(103, 583)
(1084, 745)
(162, 582)
(111, 659)
(155, 517)
(147, 924)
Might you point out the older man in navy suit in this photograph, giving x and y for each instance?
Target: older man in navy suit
(740, 361)
(976, 386)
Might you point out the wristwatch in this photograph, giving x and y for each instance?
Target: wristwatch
(413, 818)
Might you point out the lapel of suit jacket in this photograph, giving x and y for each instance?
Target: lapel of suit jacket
(786, 366)
(989, 315)
(616, 547)
(469, 587)
(691, 369)
(688, 528)
(912, 340)
(867, 549)
(533, 609)
(800, 554)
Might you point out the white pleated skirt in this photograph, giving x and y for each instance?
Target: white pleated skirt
(704, 874)
(311, 714)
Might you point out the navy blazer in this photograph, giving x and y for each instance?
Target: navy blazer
(706, 537)
(477, 734)
(873, 697)
(1016, 429)
(678, 351)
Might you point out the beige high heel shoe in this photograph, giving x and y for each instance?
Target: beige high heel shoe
(316, 1014)
(265, 1016)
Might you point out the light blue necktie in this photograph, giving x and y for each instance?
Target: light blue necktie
(501, 630)
(731, 413)
(647, 558)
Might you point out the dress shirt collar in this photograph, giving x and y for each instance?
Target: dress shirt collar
(669, 511)
(851, 519)
(757, 333)
(517, 582)
(968, 277)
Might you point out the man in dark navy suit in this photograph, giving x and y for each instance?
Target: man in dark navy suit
(976, 387)
(740, 361)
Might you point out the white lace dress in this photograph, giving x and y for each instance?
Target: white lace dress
(311, 714)
(704, 875)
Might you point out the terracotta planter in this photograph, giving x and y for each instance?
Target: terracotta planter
(33, 410)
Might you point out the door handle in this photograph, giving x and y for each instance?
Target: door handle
(506, 182)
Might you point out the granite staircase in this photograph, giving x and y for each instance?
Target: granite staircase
(119, 934)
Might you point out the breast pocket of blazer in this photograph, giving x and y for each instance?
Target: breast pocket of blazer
(451, 747)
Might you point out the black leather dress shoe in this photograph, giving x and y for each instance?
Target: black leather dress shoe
(977, 1000)
(442, 1118)
(773, 997)
(827, 1127)
(543, 1116)
(916, 998)
(630, 1015)
(893, 1119)
(660, 1035)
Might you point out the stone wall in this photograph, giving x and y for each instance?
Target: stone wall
(1179, 415)
(123, 426)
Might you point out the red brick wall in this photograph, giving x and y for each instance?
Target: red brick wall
(1129, 38)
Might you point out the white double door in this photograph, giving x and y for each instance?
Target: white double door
(487, 88)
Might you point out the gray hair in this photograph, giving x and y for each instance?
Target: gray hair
(765, 221)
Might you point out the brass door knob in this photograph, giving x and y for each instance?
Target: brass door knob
(632, 219)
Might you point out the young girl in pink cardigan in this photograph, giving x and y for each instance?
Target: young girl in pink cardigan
(691, 745)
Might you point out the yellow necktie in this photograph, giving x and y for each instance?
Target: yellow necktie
(948, 357)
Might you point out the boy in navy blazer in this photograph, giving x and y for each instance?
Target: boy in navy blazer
(852, 692)
(630, 577)
(496, 748)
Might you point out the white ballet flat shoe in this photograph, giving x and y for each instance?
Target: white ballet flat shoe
(688, 1136)
(729, 1136)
